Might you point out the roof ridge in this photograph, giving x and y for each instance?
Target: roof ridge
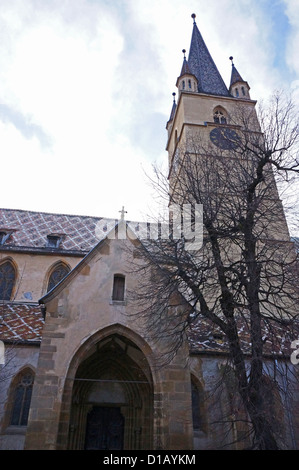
(20, 302)
(53, 213)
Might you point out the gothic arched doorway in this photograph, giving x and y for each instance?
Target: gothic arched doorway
(112, 398)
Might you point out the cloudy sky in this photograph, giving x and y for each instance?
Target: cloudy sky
(86, 90)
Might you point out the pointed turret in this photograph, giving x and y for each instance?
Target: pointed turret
(173, 108)
(187, 81)
(238, 87)
(205, 107)
(203, 67)
(185, 67)
(170, 120)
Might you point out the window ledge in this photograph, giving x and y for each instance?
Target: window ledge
(118, 302)
(16, 429)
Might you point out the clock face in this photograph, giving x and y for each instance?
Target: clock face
(225, 138)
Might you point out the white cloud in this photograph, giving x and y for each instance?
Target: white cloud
(292, 12)
(60, 77)
(92, 82)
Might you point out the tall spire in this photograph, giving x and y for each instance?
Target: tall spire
(203, 67)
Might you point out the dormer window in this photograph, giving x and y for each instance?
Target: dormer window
(53, 241)
(219, 117)
(3, 237)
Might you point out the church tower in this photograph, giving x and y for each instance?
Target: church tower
(209, 118)
(204, 103)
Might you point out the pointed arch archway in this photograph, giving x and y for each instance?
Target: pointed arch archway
(108, 395)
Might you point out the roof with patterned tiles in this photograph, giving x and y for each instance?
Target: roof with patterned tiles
(20, 322)
(204, 336)
(23, 323)
(29, 229)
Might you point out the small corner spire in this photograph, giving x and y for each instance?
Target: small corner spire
(235, 80)
(173, 108)
(235, 76)
(185, 67)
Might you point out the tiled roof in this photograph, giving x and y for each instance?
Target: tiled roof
(277, 337)
(20, 322)
(30, 229)
(23, 322)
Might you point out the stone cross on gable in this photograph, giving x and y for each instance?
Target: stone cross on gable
(123, 212)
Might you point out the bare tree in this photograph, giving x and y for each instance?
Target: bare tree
(246, 272)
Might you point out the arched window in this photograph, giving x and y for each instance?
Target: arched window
(7, 280)
(243, 91)
(275, 413)
(198, 415)
(21, 399)
(118, 292)
(59, 271)
(237, 92)
(219, 116)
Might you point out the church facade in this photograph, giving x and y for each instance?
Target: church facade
(80, 370)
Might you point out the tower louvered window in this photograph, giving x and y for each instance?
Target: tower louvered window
(219, 117)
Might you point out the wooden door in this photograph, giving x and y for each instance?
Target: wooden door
(105, 429)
